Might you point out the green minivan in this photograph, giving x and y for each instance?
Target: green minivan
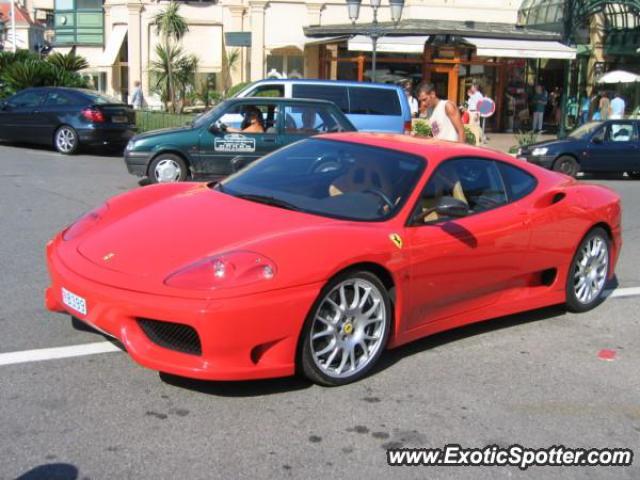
(230, 136)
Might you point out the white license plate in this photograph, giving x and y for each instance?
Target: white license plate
(74, 301)
(119, 119)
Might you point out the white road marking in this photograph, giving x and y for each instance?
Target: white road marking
(43, 354)
(623, 292)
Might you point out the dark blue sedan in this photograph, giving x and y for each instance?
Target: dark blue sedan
(611, 146)
(66, 118)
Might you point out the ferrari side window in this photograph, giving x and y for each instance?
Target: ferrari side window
(475, 182)
(481, 184)
(518, 183)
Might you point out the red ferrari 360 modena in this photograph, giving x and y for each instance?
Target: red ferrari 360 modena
(323, 254)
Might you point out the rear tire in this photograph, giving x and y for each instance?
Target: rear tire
(634, 175)
(346, 330)
(567, 165)
(167, 168)
(66, 140)
(589, 271)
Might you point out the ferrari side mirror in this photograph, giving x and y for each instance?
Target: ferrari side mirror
(452, 207)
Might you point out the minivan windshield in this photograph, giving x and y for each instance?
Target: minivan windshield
(332, 178)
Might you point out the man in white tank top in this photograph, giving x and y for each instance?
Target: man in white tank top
(445, 120)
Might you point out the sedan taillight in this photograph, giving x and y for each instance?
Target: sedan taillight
(93, 115)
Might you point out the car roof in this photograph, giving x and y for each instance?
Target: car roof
(306, 101)
(343, 83)
(429, 148)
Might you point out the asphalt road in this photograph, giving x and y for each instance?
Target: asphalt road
(533, 379)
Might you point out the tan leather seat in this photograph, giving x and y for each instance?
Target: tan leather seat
(444, 185)
(359, 178)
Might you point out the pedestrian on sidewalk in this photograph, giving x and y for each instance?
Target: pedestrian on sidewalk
(539, 105)
(585, 106)
(413, 102)
(618, 107)
(445, 119)
(604, 106)
(137, 98)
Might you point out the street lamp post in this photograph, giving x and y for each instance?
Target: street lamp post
(375, 31)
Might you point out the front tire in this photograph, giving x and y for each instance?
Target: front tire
(346, 330)
(634, 175)
(567, 165)
(168, 167)
(589, 272)
(66, 140)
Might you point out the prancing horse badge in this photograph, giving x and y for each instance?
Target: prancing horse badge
(396, 239)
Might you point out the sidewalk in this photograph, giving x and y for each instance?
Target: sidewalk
(503, 141)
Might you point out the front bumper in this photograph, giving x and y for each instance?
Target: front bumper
(241, 338)
(137, 162)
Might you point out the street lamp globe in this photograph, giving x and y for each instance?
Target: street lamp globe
(396, 9)
(375, 3)
(354, 9)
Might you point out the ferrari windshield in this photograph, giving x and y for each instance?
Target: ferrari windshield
(332, 178)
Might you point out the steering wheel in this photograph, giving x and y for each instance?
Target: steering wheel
(382, 195)
(325, 163)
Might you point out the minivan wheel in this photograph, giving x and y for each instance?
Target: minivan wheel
(168, 167)
(66, 140)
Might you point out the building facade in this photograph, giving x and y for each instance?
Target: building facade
(118, 37)
(29, 29)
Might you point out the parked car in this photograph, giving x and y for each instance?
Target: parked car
(66, 118)
(371, 107)
(323, 254)
(611, 146)
(216, 144)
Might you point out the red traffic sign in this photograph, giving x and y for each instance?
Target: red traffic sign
(486, 107)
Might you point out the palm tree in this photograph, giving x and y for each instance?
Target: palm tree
(230, 62)
(172, 27)
(173, 72)
(69, 62)
(170, 24)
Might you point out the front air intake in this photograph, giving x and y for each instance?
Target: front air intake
(174, 336)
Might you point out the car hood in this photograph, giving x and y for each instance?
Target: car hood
(162, 132)
(549, 144)
(159, 237)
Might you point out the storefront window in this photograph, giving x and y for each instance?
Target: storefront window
(285, 66)
(96, 81)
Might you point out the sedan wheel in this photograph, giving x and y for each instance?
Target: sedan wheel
(66, 140)
(168, 168)
(566, 165)
(347, 329)
(589, 272)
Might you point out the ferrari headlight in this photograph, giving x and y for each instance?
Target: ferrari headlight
(538, 152)
(233, 269)
(84, 223)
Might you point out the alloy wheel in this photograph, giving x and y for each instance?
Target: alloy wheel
(348, 328)
(591, 270)
(65, 140)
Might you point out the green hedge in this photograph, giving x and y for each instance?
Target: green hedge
(152, 120)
